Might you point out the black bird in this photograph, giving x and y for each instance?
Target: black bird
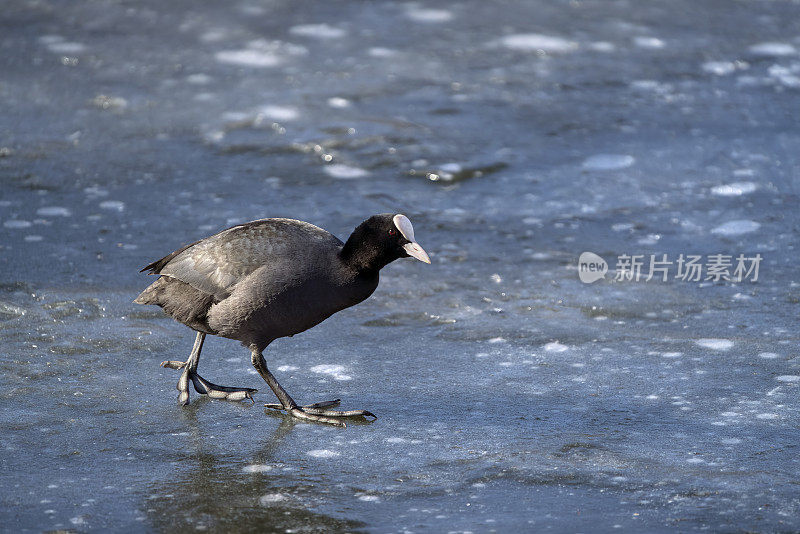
(271, 278)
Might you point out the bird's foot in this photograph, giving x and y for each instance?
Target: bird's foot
(204, 387)
(321, 412)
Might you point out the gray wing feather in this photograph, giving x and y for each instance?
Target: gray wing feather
(216, 264)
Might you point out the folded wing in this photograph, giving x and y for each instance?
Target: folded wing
(216, 264)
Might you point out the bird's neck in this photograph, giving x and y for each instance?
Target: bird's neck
(360, 258)
(362, 255)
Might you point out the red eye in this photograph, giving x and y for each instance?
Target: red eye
(392, 232)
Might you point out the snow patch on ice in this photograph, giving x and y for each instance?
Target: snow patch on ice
(94, 192)
(379, 51)
(54, 211)
(652, 85)
(792, 379)
(249, 58)
(198, 79)
(335, 371)
(649, 239)
(429, 15)
(536, 42)
(737, 227)
(734, 189)
(344, 172)
(602, 46)
(719, 68)
(787, 76)
(318, 31)
(338, 102)
(555, 346)
(257, 468)
(715, 344)
(112, 205)
(271, 498)
(50, 39)
(648, 42)
(17, 224)
(277, 113)
(773, 49)
(66, 47)
(608, 162)
(261, 53)
(322, 453)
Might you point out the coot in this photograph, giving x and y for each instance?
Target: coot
(271, 278)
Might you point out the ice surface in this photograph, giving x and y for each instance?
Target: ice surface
(510, 396)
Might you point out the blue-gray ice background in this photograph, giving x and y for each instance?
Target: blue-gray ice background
(515, 135)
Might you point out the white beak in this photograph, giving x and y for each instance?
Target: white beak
(412, 249)
(415, 251)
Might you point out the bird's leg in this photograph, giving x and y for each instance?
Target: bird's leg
(319, 411)
(201, 385)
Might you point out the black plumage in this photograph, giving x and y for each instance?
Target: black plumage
(268, 279)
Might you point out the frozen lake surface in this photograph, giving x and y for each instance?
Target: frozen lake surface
(515, 135)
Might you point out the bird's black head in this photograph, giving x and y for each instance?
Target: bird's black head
(380, 240)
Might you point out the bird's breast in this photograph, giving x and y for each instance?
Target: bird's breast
(261, 311)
